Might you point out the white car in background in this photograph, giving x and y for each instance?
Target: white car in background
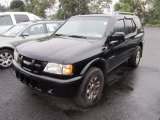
(8, 19)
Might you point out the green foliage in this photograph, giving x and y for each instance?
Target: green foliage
(123, 7)
(38, 7)
(152, 25)
(147, 10)
(69, 8)
(153, 14)
(3, 8)
(18, 5)
(97, 6)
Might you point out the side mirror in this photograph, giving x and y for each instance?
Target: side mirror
(25, 34)
(117, 37)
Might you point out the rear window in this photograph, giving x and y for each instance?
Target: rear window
(5, 20)
(21, 18)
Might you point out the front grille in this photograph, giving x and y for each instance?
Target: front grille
(31, 65)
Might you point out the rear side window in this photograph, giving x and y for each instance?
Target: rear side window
(130, 26)
(133, 26)
(119, 26)
(5, 20)
(138, 23)
(21, 18)
(51, 27)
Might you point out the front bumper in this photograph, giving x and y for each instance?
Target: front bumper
(48, 85)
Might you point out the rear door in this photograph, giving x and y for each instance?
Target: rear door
(131, 39)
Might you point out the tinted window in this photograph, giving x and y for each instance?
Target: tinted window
(130, 26)
(51, 27)
(5, 20)
(35, 29)
(138, 23)
(133, 26)
(21, 18)
(119, 26)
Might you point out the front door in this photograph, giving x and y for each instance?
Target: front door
(117, 51)
(34, 32)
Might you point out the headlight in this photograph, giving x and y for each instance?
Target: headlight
(59, 69)
(16, 55)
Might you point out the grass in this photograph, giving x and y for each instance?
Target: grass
(152, 25)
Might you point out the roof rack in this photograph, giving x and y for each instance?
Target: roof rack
(126, 13)
(120, 13)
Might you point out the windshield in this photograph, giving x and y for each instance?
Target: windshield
(89, 27)
(15, 30)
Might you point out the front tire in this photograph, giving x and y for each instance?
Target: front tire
(6, 58)
(135, 59)
(90, 91)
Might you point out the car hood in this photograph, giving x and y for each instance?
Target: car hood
(57, 50)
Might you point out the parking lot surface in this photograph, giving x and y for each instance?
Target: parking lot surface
(133, 95)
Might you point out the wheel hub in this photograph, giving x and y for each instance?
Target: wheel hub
(6, 59)
(93, 88)
(138, 57)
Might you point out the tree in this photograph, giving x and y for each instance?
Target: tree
(17, 4)
(2, 8)
(152, 16)
(69, 8)
(98, 6)
(38, 7)
(147, 10)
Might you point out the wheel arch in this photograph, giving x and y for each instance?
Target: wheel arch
(8, 48)
(98, 62)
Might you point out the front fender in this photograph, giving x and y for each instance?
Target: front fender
(7, 46)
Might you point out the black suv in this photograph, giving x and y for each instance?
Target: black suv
(76, 59)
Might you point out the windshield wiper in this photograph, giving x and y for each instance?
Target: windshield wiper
(60, 35)
(78, 36)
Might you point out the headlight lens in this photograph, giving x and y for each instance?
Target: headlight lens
(16, 55)
(58, 69)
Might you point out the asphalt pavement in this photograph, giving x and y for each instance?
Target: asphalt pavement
(134, 94)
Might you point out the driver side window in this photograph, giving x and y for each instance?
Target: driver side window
(35, 30)
(119, 26)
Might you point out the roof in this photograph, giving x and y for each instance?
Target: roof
(112, 14)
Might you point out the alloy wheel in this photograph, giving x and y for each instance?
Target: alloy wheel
(93, 88)
(6, 59)
(138, 57)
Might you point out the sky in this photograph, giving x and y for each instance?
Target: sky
(5, 2)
